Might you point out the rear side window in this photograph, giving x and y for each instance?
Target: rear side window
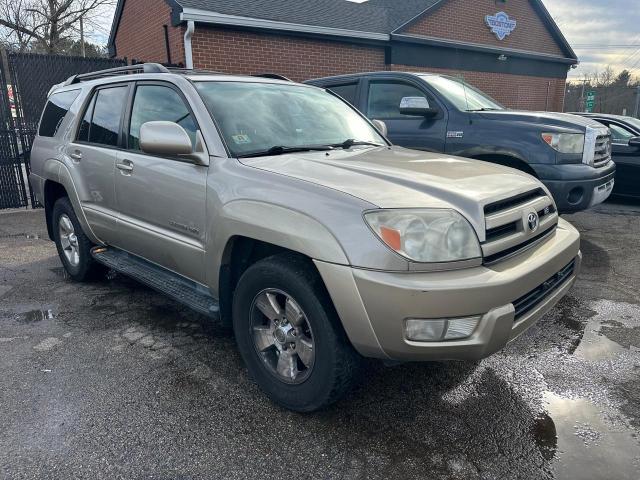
(101, 121)
(348, 92)
(55, 111)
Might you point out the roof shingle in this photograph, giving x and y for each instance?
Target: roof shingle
(377, 16)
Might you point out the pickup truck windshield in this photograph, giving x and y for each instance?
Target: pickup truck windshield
(271, 119)
(462, 95)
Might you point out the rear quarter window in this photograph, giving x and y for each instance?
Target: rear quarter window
(54, 112)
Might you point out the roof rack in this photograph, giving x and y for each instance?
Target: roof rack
(275, 76)
(193, 71)
(110, 72)
(153, 68)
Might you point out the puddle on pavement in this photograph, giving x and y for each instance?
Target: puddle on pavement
(606, 339)
(604, 332)
(34, 316)
(574, 434)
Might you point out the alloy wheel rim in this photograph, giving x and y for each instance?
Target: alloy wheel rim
(68, 240)
(282, 336)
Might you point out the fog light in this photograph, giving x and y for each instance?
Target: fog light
(421, 330)
(425, 330)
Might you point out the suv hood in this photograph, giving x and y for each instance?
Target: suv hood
(395, 177)
(564, 120)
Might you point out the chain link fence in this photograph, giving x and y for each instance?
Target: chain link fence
(25, 80)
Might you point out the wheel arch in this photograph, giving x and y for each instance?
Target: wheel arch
(507, 160)
(52, 192)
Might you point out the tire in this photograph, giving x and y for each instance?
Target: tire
(335, 364)
(81, 267)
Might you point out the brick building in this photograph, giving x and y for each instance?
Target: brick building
(512, 49)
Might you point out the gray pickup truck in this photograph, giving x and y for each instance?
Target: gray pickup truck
(281, 210)
(438, 113)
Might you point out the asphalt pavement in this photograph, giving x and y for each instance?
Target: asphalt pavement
(111, 380)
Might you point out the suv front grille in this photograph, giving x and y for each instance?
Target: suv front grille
(602, 153)
(506, 222)
(513, 201)
(536, 296)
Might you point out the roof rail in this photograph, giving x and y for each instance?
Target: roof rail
(275, 76)
(110, 72)
(193, 71)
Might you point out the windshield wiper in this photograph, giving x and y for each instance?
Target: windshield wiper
(350, 142)
(282, 149)
(483, 109)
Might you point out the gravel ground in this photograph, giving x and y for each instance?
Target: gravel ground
(111, 380)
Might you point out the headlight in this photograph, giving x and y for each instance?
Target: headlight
(565, 142)
(426, 235)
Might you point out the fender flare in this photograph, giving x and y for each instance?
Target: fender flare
(473, 152)
(65, 179)
(273, 224)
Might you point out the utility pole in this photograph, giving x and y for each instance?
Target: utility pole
(583, 105)
(637, 112)
(82, 52)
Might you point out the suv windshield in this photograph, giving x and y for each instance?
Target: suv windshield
(268, 118)
(462, 95)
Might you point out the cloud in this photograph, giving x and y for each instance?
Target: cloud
(596, 29)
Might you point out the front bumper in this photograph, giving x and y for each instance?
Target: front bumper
(374, 305)
(577, 187)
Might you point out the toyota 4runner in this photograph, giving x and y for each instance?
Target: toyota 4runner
(279, 209)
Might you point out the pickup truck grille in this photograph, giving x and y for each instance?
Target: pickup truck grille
(602, 153)
(507, 229)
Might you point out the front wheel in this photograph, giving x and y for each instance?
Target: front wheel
(289, 334)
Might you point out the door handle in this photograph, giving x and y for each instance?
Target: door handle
(77, 155)
(126, 167)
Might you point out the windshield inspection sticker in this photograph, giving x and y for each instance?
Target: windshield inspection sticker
(241, 139)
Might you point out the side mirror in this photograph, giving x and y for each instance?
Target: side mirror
(164, 138)
(417, 106)
(381, 126)
(634, 142)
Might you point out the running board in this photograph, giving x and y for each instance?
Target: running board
(185, 291)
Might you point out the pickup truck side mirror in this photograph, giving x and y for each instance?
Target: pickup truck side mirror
(417, 106)
(164, 138)
(634, 142)
(381, 126)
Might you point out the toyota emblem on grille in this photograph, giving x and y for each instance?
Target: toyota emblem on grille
(533, 221)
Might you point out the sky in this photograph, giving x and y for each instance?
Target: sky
(601, 32)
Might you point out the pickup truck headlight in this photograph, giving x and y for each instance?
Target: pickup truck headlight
(435, 235)
(565, 142)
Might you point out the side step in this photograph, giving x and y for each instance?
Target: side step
(171, 284)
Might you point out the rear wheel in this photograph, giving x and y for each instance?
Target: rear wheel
(289, 334)
(74, 248)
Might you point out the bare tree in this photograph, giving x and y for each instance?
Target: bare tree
(20, 36)
(47, 24)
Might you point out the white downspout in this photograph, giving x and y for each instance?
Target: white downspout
(188, 54)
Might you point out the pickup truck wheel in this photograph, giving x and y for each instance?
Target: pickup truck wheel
(74, 248)
(289, 334)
